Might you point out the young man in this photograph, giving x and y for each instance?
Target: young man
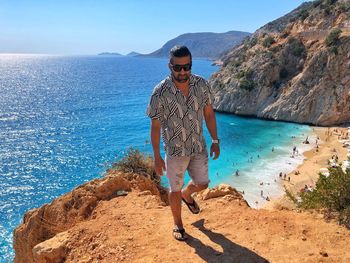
(177, 107)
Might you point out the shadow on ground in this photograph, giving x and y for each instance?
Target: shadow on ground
(231, 252)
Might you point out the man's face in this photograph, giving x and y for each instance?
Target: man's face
(180, 68)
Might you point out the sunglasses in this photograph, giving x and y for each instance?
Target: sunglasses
(185, 67)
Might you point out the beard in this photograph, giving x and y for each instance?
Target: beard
(181, 78)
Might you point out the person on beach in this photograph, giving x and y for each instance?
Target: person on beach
(177, 107)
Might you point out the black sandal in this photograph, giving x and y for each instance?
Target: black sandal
(182, 231)
(193, 207)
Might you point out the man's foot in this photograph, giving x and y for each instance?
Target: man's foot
(192, 206)
(179, 234)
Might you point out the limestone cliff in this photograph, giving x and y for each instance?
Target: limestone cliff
(296, 68)
(69, 210)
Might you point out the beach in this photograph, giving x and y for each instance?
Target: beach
(307, 173)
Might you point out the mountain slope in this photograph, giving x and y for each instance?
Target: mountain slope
(295, 68)
(203, 45)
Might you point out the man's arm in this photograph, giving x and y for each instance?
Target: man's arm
(210, 121)
(159, 164)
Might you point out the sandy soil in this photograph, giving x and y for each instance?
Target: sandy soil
(136, 228)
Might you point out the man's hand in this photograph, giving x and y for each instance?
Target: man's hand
(159, 165)
(215, 148)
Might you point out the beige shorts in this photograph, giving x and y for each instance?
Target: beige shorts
(176, 166)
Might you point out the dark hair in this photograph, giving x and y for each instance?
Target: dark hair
(179, 51)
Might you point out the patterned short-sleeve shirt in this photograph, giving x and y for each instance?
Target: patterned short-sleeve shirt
(181, 117)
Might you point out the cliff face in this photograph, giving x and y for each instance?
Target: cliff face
(124, 218)
(296, 68)
(51, 221)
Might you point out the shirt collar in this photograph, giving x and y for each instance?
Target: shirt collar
(172, 85)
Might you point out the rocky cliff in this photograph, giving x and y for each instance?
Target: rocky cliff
(125, 218)
(296, 68)
(52, 221)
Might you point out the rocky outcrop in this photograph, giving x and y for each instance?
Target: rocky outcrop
(137, 228)
(295, 68)
(123, 218)
(44, 223)
(222, 190)
(55, 230)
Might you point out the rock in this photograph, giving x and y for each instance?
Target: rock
(323, 254)
(221, 190)
(51, 250)
(44, 223)
(298, 78)
(147, 192)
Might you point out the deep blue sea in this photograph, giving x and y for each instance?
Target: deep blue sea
(65, 120)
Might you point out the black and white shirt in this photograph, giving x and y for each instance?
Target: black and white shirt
(181, 117)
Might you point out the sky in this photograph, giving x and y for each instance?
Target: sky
(83, 27)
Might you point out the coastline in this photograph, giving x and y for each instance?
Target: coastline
(311, 165)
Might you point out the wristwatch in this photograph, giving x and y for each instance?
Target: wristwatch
(216, 141)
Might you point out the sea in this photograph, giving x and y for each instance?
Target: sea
(64, 120)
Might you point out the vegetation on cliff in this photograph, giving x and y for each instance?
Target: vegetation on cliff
(292, 61)
(331, 194)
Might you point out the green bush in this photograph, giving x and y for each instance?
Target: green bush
(343, 7)
(330, 2)
(317, 3)
(247, 84)
(137, 162)
(290, 195)
(344, 217)
(297, 48)
(331, 193)
(268, 41)
(303, 14)
(283, 73)
(334, 50)
(327, 11)
(333, 38)
(236, 63)
(248, 74)
(285, 34)
(252, 42)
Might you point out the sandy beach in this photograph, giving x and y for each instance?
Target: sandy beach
(328, 145)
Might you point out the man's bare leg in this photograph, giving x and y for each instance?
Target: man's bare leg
(190, 189)
(175, 205)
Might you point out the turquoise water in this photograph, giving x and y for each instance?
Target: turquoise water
(64, 120)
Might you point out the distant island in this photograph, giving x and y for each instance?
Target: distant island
(109, 54)
(133, 54)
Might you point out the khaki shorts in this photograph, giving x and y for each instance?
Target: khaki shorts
(176, 166)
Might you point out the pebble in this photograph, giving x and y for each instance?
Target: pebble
(324, 254)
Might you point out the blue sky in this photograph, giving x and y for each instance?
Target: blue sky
(93, 26)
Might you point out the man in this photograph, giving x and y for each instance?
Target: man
(177, 107)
